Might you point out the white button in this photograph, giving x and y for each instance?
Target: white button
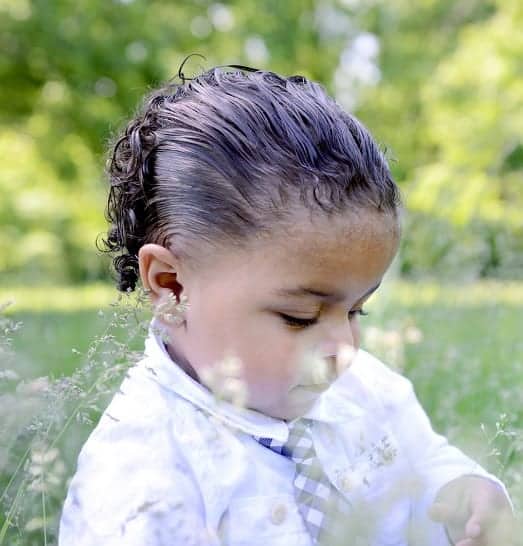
(278, 513)
(346, 482)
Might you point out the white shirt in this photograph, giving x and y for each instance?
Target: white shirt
(170, 465)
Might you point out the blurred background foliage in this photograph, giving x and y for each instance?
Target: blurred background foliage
(438, 82)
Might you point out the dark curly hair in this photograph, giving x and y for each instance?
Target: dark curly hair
(227, 156)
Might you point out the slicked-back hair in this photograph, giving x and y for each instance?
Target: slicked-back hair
(228, 156)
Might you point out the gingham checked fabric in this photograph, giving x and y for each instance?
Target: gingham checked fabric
(319, 502)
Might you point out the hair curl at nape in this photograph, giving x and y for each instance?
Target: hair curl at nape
(226, 156)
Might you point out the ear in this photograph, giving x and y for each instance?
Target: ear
(159, 271)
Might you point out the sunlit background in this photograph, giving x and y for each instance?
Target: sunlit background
(438, 82)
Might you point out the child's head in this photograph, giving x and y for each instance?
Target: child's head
(235, 188)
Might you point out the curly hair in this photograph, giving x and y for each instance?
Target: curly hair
(227, 156)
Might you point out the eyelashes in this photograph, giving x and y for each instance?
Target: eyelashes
(304, 323)
(298, 322)
(360, 312)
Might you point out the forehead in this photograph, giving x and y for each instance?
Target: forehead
(357, 240)
(346, 253)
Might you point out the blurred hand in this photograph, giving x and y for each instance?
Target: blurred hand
(475, 512)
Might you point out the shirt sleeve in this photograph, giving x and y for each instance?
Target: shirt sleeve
(433, 460)
(430, 453)
(132, 488)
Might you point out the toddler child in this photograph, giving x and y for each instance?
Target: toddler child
(260, 217)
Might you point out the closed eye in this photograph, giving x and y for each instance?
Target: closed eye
(296, 322)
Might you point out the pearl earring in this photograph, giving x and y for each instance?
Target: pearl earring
(171, 311)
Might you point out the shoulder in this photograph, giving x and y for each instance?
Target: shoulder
(387, 385)
(373, 371)
(147, 423)
(153, 458)
(132, 465)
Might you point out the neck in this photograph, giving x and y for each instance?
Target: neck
(180, 360)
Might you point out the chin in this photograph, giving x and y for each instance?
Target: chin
(298, 401)
(299, 406)
(287, 412)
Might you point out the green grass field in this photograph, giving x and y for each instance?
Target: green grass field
(460, 344)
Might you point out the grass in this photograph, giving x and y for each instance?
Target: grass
(49, 403)
(461, 346)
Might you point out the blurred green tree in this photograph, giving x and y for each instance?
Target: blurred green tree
(74, 71)
(439, 85)
(450, 106)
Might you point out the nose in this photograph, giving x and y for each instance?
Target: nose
(337, 337)
(338, 349)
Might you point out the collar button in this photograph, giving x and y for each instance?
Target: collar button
(346, 482)
(278, 513)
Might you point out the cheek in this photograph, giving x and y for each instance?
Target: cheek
(271, 359)
(266, 347)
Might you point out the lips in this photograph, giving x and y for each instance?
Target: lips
(331, 362)
(315, 388)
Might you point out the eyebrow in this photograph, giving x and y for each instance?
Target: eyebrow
(332, 297)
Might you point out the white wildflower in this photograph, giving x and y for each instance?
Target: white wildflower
(413, 335)
(344, 357)
(8, 375)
